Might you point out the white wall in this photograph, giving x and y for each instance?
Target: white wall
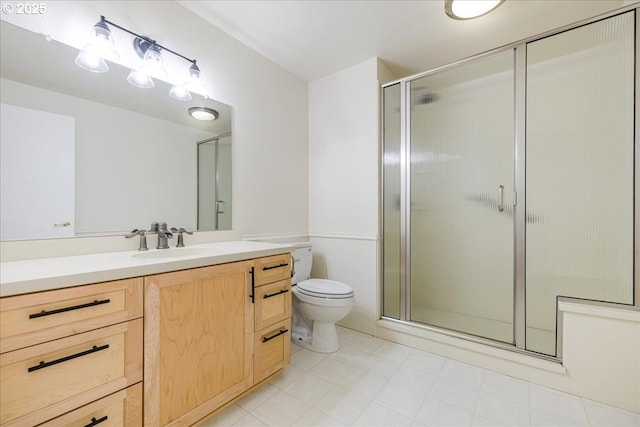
(343, 183)
(270, 104)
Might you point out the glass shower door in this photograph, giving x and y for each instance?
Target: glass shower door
(461, 198)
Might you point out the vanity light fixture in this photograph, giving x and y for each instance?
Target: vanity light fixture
(203, 113)
(469, 9)
(101, 46)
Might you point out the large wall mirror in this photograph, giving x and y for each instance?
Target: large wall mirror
(87, 154)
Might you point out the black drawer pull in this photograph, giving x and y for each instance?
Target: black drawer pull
(282, 331)
(44, 364)
(274, 266)
(95, 422)
(62, 310)
(284, 291)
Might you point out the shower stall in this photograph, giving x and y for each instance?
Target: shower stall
(508, 182)
(214, 183)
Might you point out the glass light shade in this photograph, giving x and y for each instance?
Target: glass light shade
(203, 113)
(101, 42)
(91, 62)
(152, 63)
(194, 83)
(469, 9)
(180, 93)
(140, 79)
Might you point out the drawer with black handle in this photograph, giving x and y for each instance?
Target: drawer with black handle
(41, 382)
(34, 318)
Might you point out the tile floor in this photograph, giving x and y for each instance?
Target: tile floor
(373, 382)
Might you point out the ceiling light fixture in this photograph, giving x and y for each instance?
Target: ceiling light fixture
(469, 9)
(203, 113)
(101, 46)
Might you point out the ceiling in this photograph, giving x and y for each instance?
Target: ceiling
(313, 39)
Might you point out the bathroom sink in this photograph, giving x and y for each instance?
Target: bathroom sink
(175, 253)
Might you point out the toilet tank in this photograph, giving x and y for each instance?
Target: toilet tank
(302, 258)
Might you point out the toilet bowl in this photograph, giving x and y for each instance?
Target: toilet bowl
(317, 305)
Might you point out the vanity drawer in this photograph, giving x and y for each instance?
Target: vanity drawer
(272, 350)
(123, 408)
(35, 318)
(272, 269)
(41, 382)
(273, 303)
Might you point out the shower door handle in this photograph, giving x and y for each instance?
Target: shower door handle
(500, 198)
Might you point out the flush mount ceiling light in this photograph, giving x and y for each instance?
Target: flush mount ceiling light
(203, 113)
(469, 9)
(101, 46)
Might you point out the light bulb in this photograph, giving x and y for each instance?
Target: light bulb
(140, 79)
(91, 62)
(194, 83)
(468, 9)
(180, 93)
(101, 42)
(152, 64)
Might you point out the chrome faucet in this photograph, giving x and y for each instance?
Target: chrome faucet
(159, 228)
(163, 235)
(143, 238)
(180, 232)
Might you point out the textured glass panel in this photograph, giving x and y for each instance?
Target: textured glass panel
(391, 202)
(461, 153)
(579, 168)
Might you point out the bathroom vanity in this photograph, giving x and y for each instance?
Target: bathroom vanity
(175, 336)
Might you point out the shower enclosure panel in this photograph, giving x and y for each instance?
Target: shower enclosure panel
(579, 171)
(509, 181)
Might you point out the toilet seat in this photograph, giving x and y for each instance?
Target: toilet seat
(326, 293)
(326, 289)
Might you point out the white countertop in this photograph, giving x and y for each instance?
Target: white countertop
(19, 277)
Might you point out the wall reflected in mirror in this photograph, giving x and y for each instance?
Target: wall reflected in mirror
(87, 154)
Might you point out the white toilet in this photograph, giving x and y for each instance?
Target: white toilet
(317, 305)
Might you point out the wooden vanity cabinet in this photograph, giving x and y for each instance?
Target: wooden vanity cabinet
(202, 337)
(198, 342)
(64, 349)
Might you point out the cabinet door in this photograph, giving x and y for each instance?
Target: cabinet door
(198, 342)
